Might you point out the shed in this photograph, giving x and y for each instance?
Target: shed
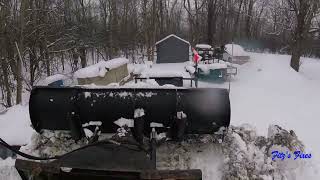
(172, 49)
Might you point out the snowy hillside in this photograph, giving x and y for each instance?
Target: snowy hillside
(266, 91)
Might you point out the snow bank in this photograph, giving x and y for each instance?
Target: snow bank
(249, 156)
(236, 49)
(243, 155)
(15, 126)
(100, 68)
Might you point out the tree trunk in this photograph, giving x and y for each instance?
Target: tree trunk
(19, 75)
(209, 22)
(62, 60)
(248, 19)
(20, 48)
(4, 67)
(296, 54)
(83, 59)
(236, 23)
(32, 65)
(47, 59)
(153, 29)
(75, 57)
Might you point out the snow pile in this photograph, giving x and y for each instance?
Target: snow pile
(8, 171)
(122, 122)
(141, 84)
(52, 143)
(50, 79)
(190, 69)
(243, 154)
(235, 50)
(92, 123)
(203, 46)
(100, 68)
(181, 115)
(149, 83)
(166, 70)
(139, 68)
(248, 156)
(146, 94)
(91, 128)
(199, 153)
(138, 113)
(15, 126)
(154, 124)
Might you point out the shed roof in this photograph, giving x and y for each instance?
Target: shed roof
(172, 35)
(100, 68)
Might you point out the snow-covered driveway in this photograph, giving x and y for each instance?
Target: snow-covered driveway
(267, 91)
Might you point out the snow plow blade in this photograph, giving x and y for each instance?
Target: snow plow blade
(177, 112)
(204, 110)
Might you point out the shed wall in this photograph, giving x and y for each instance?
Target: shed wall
(172, 50)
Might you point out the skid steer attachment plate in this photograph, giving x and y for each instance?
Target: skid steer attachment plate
(205, 109)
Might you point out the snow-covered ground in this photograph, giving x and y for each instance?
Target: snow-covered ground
(266, 91)
(15, 125)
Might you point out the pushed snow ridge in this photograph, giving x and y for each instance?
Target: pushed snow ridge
(243, 155)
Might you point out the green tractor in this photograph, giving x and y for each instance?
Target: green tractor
(211, 67)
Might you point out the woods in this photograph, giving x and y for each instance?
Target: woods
(40, 38)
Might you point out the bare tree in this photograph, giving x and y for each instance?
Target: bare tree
(304, 11)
